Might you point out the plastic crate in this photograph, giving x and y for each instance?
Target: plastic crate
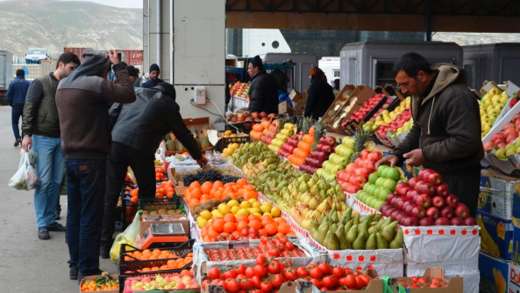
(180, 250)
(225, 141)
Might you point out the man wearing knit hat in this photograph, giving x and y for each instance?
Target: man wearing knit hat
(153, 75)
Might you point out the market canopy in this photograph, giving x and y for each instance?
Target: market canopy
(377, 15)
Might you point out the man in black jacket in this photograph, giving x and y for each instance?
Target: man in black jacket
(446, 132)
(41, 130)
(319, 95)
(136, 135)
(263, 96)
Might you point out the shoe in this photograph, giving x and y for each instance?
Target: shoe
(73, 273)
(56, 227)
(17, 143)
(104, 251)
(43, 234)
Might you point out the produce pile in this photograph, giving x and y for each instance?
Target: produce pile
(171, 281)
(424, 200)
(268, 275)
(208, 175)
(105, 282)
(199, 196)
(491, 106)
(274, 247)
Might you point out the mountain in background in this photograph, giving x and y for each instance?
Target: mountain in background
(54, 24)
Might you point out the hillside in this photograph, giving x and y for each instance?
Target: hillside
(54, 25)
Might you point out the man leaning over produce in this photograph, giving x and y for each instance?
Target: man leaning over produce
(446, 132)
(136, 136)
(83, 99)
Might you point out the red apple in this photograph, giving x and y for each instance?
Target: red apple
(426, 221)
(429, 176)
(462, 210)
(424, 187)
(457, 221)
(402, 189)
(442, 190)
(452, 200)
(447, 212)
(432, 212)
(442, 221)
(412, 182)
(438, 201)
(470, 221)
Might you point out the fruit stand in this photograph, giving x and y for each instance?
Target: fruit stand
(297, 208)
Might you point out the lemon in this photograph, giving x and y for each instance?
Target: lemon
(201, 222)
(243, 212)
(235, 209)
(206, 214)
(254, 211)
(252, 200)
(256, 205)
(217, 214)
(257, 214)
(275, 212)
(223, 208)
(266, 207)
(233, 203)
(245, 205)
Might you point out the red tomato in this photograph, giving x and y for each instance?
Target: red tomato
(302, 272)
(229, 274)
(362, 281)
(231, 285)
(266, 287)
(325, 268)
(330, 282)
(316, 274)
(214, 273)
(257, 281)
(241, 269)
(261, 260)
(278, 281)
(339, 272)
(260, 270)
(250, 272)
(349, 281)
(274, 267)
(290, 275)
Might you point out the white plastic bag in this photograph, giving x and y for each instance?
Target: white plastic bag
(25, 177)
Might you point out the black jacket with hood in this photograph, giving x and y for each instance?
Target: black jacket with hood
(263, 94)
(319, 98)
(446, 125)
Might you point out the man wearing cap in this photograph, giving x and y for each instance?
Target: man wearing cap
(83, 100)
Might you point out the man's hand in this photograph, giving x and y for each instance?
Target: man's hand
(388, 160)
(414, 158)
(26, 143)
(112, 56)
(202, 161)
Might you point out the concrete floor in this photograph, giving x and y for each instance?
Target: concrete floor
(28, 265)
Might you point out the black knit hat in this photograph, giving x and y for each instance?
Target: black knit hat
(257, 62)
(132, 71)
(154, 67)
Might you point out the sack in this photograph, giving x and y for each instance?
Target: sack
(25, 177)
(129, 236)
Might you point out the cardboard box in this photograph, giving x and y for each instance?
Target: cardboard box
(497, 193)
(494, 274)
(454, 284)
(514, 278)
(374, 286)
(496, 235)
(113, 276)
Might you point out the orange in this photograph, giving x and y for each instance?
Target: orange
(206, 187)
(284, 228)
(229, 218)
(218, 225)
(271, 229)
(230, 227)
(194, 185)
(255, 224)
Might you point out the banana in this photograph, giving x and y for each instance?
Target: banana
(487, 244)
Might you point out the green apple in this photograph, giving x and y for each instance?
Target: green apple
(372, 178)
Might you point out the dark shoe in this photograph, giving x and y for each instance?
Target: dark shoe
(104, 251)
(43, 234)
(17, 143)
(73, 273)
(56, 227)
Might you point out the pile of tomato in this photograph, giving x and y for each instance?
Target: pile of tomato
(269, 275)
(275, 247)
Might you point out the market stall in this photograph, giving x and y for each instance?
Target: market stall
(301, 206)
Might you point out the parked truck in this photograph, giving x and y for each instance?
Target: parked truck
(6, 70)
